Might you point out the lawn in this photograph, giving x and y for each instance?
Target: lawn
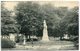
(55, 45)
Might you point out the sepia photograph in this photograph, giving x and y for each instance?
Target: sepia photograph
(39, 25)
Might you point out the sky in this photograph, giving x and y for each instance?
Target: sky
(70, 4)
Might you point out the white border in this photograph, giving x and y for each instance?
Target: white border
(40, 0)
(0, 25)
(79, 24)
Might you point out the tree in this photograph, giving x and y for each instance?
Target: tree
(73, 22)
(69, 23)
(7, 21)
(29, 17)
(51, 17)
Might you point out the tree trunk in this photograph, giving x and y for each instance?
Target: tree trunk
(60, 37)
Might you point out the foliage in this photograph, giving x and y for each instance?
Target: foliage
(29, 17)
(6, 43)
(7, 22)
(73, 22)
(19, 38)
(69, 22)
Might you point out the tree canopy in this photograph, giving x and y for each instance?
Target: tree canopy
(7, 21)
(30, 16)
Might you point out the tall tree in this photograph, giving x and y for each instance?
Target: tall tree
(73, 21)
(29, 17)
(7, 21)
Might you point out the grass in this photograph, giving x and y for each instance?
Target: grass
(55, 45)
(51, 45)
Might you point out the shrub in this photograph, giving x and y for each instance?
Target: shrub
(19, 39)
(75, 39)
(6, 43)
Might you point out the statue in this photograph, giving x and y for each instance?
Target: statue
(45, 32)
(24, 41)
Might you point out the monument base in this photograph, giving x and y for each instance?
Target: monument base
(45, 40)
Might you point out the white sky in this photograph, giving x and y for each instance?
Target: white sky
(11, 4)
